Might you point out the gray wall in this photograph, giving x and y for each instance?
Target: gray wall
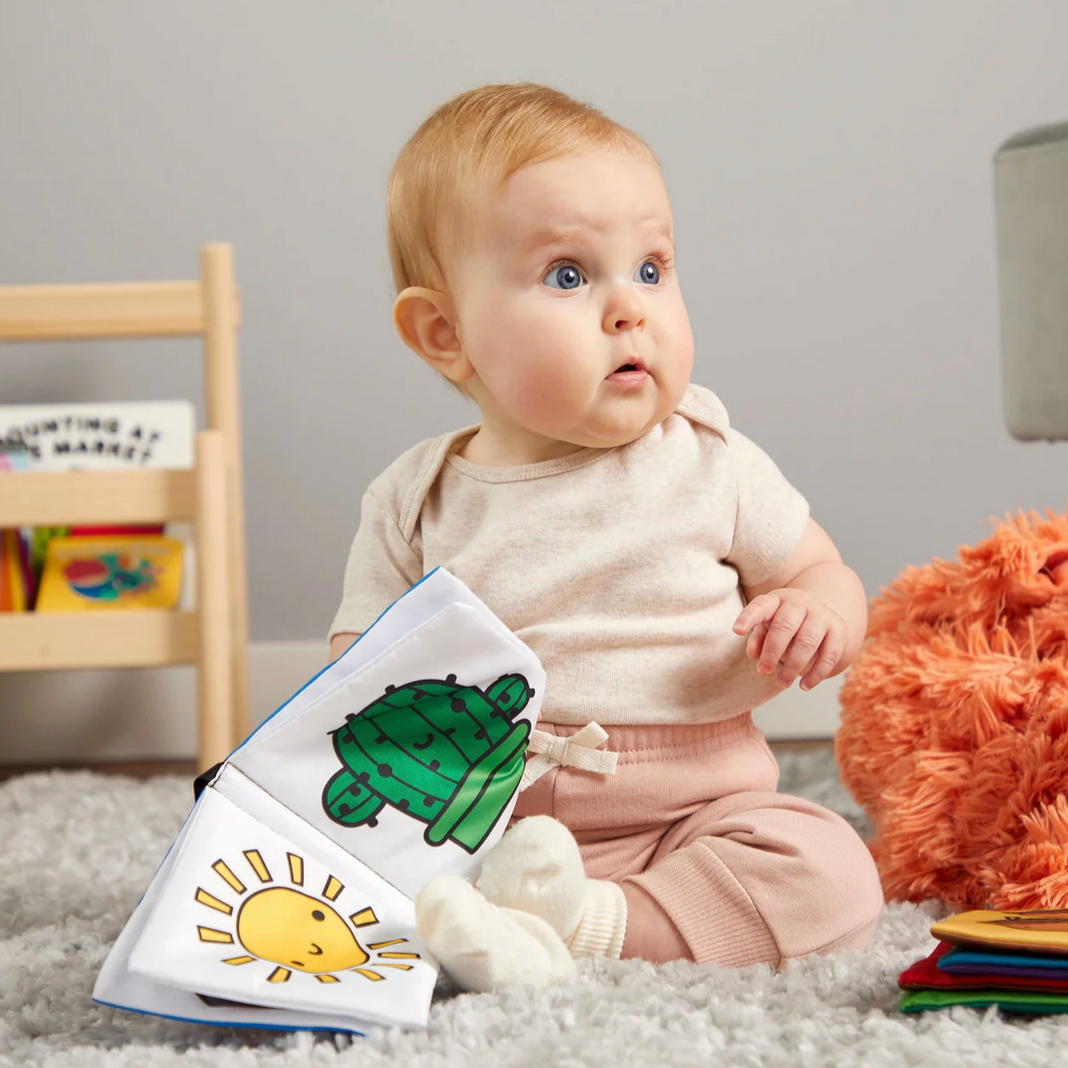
(829, 165)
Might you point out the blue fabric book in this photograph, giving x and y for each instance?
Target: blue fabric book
(968, 961)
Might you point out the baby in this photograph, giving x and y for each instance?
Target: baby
(658, 563)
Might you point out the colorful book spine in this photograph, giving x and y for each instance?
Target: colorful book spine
(14, 594)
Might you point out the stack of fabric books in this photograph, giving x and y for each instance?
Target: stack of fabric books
(1017, 961)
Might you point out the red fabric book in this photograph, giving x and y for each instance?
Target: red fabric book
(926, 975)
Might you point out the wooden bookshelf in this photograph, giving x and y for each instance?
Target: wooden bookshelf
(147, 637)
(214, 636)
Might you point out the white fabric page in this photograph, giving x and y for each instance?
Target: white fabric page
(249, 915)
(297, 760)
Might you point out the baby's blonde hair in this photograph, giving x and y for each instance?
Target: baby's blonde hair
(485, 133)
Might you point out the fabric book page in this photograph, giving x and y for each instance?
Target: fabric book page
(256, 917)
(1036, 930)
(120, 988)
(408, 750)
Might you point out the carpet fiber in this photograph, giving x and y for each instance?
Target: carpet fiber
(78, 849)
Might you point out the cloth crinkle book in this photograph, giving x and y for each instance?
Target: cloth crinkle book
(286, 899)
(1036, 930)
(1017, 961)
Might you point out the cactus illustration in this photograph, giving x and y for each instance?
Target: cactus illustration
(448, 755)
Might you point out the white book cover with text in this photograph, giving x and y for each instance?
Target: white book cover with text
(101, 436)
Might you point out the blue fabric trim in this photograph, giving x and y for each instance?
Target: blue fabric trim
(223, 1023)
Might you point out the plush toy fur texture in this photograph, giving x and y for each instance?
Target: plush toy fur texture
(954, 730)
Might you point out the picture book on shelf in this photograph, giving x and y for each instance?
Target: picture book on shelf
(16, 583)
(113, 436)
(286, 899)
(18, 580)
(100, 573)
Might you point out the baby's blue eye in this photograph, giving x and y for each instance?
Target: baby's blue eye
(567, 276)
(649, 272)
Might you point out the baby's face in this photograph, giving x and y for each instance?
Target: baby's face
(566, 279)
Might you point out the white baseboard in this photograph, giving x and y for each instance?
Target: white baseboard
(795, 715)
(147, 714)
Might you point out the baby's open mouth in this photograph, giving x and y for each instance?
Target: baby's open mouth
(629, 372)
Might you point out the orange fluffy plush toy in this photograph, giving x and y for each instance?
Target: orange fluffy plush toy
(954, 732)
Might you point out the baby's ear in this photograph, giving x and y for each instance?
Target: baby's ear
(425, 320)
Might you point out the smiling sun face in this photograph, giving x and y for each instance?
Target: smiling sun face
(294, 929)
(272, 924)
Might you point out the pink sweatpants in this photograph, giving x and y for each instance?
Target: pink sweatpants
(691, 816)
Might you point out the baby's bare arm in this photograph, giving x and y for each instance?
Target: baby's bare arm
(339, 643)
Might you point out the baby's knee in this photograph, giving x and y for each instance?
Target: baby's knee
(846, 898)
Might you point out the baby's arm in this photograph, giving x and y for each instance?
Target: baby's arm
(810, 617)
(340, 644)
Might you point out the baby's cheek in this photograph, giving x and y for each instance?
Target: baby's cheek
(533, 398)
(544, 390)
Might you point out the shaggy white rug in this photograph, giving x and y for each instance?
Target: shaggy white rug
(78, 849)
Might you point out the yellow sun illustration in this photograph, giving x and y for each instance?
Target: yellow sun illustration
(294, 929)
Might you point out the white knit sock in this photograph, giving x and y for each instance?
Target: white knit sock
(484, 947)
(537, 868)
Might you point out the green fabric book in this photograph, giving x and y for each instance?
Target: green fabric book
(1008, 1000)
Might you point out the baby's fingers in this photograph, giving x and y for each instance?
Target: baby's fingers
(759, 610)
(755, 646)
(830, 652)
(781, 630)
(804, 646)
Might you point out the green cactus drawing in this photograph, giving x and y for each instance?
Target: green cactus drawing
(448, 755)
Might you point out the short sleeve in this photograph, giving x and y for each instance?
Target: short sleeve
(772, 515)
(381, 567)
